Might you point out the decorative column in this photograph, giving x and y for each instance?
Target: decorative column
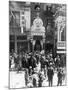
(22, 30)
(28, 46)
(28, 39)
(15, 43)
(41, 44)
(33, 44)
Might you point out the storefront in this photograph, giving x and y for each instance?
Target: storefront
(18, 43)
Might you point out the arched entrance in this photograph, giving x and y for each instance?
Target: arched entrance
(37, 46)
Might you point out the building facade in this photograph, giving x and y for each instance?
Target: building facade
(33, 26)
(19, 26)
(60, 21)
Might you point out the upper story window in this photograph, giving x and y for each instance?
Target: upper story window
(37, 7)
(15, 18)
(63, 35)
(23, 12)
(22, 19)
(25, 18)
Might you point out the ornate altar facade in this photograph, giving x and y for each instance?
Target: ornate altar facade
(37, 34)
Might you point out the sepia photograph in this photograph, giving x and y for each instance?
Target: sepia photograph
(37, 44)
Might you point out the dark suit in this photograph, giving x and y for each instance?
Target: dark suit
(50, 74)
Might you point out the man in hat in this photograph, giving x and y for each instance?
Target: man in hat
(50, 74)
(60, 75)
(58, 62)
(42, 63)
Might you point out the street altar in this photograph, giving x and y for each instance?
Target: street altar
(37, 27)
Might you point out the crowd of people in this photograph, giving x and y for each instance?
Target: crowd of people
(37, 67)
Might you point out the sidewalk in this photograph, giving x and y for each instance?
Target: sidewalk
(17, 80)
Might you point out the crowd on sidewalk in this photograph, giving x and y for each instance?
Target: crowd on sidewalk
(38, 67)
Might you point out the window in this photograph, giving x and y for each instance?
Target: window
(15, 19)
(22, 12)
(22, 19)
(37, 7)
(24, 37)
(12, 37)
(63, 35)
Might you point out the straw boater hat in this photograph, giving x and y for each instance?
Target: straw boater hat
(30, 67)
(51, 64)
(29, 54)
(10, 56)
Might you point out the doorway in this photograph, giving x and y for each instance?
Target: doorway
(49, 47)
(12, 47)
(37, 46)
